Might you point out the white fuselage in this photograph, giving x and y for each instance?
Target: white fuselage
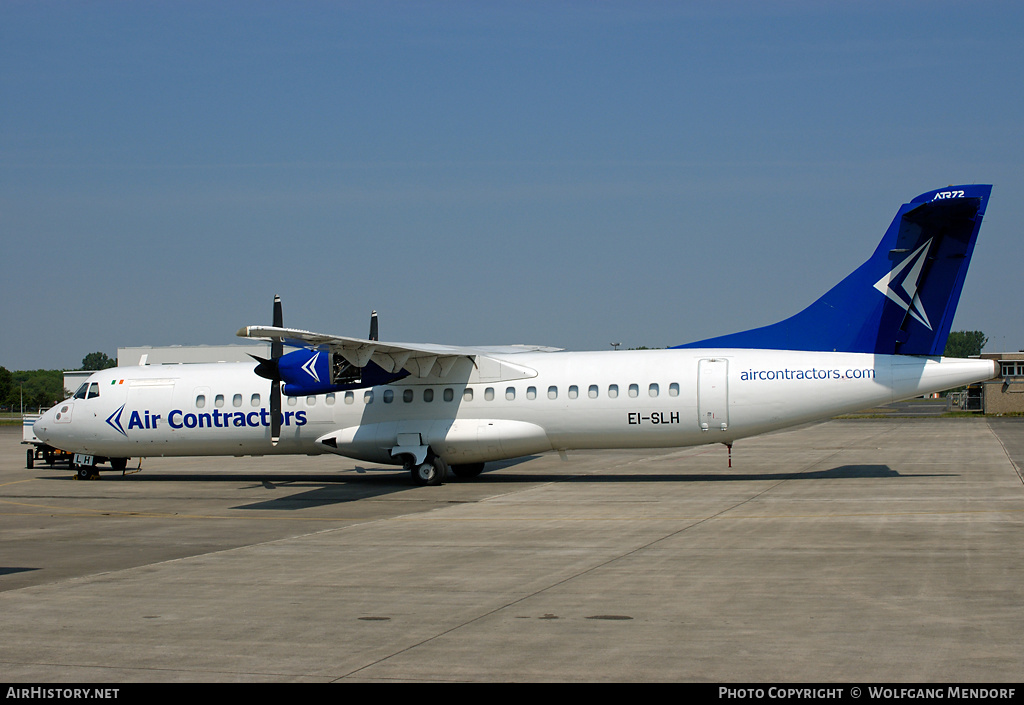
(498, 406)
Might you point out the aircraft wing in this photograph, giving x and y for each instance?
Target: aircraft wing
(418, 359)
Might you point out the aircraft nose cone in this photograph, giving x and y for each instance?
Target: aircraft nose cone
(47, 427)
(41, 427)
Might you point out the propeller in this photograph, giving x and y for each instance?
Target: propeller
(268, 369)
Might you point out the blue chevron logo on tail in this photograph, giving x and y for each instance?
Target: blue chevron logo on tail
(919, 268)
(910, 269)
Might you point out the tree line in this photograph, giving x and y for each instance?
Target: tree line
(34, 389)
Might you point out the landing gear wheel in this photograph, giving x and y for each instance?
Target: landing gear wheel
(86, 472)
(431, 473)
(119, 463)
(30, 458)
(468, 471)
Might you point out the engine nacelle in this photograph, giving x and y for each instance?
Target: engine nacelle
(306, 372)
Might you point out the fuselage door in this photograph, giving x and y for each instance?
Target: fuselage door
(148, 403)
(713, 394)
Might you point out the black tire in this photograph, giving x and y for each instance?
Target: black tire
(119, 463)
(85, 472)
(468, 471)
(30, 458)
(430, 473)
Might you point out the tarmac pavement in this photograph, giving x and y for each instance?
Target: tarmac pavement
(865, 550)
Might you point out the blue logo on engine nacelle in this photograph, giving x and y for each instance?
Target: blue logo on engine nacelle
(305, 372)
(305, 368)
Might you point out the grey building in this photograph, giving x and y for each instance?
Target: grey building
(1005, 394)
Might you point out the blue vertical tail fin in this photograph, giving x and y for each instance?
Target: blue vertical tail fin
(902, 300)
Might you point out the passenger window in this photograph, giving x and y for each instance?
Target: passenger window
(407, 395)
(468, 394)
(255, 400)
(673, 389)
(592, 392)
(389, 395)
(329, 399)
(218, 401)
(201, 401)
(510, 393)
(613, 391)
(292, 401)
(350, 397)
(428, 395)
(634, 390)
(531, 392)
(573, 391)
(236, 400)
(653, 389)
(552, 392)
(449, 394)
(368, 396)
(311, 400)
(489, 394)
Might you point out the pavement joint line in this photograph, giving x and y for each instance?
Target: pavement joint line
(1017, 469)
(601, 564)
(873, 515)
(168, 669)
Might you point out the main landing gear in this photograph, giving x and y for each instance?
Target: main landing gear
(430, 473)
(433, 471)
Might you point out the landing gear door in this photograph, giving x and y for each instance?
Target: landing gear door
(713, 395)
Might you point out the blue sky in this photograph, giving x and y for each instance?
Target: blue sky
(561, 173)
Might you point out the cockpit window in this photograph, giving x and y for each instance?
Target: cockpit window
(88, 391)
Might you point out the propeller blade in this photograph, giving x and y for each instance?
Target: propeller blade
(275, 412)
(276, 346)
(373, 326)
(270, 367)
